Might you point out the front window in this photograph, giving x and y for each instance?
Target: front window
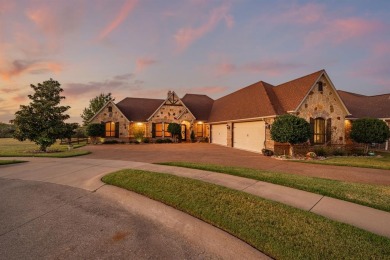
(159, 130)
(166, 133)
(199, 130)
(110, 129)
(319, 131)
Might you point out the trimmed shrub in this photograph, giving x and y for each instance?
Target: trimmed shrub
(267, 152)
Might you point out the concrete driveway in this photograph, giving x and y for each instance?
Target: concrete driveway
(59, 208)
(215, 154)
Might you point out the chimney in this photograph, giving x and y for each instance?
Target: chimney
(169, 94)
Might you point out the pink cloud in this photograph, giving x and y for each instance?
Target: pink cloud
(124, 12)
(269, 67)
(338, 31)
(208, 90)
(186, 36)
(143, 63)
(19, 67)
(306, 14)
(225, 68)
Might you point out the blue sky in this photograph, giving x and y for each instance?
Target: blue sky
(145, 48)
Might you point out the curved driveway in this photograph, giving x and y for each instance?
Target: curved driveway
(84, 219)
(215, 154)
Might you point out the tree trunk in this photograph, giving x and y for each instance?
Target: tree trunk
(291, 150)
(366, 149)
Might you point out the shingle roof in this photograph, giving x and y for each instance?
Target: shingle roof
(138, 109)
(291, 94)
(199, 105)
(366, 106)
(249, 102)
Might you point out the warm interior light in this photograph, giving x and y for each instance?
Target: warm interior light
(139, 124)
(200, 122)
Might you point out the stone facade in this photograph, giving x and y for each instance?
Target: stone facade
(325, 104)
(110, 113)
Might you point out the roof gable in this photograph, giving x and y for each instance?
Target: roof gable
(172, 100)
(111, 102)
(325, 75)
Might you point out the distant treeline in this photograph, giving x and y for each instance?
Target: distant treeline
(6, 130)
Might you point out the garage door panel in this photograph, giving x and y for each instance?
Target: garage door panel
(219, 134)
(249, 136)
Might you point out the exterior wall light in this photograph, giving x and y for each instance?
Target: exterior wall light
(227, 126)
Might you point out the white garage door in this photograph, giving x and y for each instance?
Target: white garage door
(219, 134)
(249, 136)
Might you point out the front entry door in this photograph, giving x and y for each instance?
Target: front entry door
(183, 132)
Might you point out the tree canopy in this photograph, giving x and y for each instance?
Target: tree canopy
(42, 121)
(290, 129)
(175, 130)
(369, 130)
(95, 105)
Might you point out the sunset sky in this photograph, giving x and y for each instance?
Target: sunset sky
(145, 48)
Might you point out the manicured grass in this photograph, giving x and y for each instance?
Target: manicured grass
(280, 231)
(4, 162)
(13, 148)
(374, 196)
(357, 161)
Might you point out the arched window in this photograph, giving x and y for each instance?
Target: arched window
(319, 131)
(109, 109)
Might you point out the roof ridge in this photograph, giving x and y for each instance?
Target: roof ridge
(300, 78)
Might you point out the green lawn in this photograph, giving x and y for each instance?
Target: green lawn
(280, 231)
(357, 161)
(374, 196)
(12, 148)
(4, 162)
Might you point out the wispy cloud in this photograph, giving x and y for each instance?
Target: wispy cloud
(337, 31)
(186, 36)
(18, 67)
(116, 84)
(143, 63)
(121, 16)
(268, 67)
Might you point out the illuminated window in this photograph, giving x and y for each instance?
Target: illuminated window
(166, 133)
(319, 131)
(199, 130)
(158, 130)
(110, 129)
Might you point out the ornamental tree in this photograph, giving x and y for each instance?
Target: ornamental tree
(95, 130)
(175, 130)
(368, 131)
(95, 105)
(42, 121)
(290, 129)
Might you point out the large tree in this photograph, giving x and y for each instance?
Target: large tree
(42, 121)
(95, 105)
(368, 131)
(290, 129)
